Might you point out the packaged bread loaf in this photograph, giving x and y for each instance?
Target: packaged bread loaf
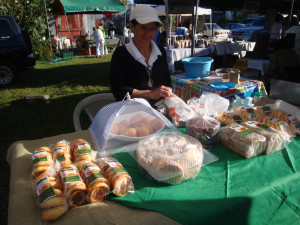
(275, 140)
(73, 186)
(229, 118)
(277, 124)
(50, 199)
(119, 179)
(61, 154)
(246, 113)
(170, 157)
(81, 152)
(41, 161)
(263, 110)
(97, 186)
(242, 140)
(289, 118)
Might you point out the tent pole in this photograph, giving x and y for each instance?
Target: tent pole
(194, 24)
(291, 12)
(167, 31)
(48, 28)
(68, 29)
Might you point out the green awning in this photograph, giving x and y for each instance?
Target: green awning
(76, 6)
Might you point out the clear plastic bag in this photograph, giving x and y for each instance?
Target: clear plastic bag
(213, 104)
(178, 110)
(205, 129)
(275, 140)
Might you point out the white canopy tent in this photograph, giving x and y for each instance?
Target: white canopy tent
(161, 11)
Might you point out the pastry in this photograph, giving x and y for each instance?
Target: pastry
(242, 140)
(275, 140)
(50, 198)
(262, 110)
(81, 151)
(97, 186)
(170, 157)
(289, 118)
(61, 154)
(74, 188)
(119, 179)
(41, 161)
(229, 118)
(246, 113)
(275, 123)
(204, 129)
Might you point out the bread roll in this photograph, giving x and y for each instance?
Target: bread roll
(242, 140)
(50, 198)
(74, 188)
(41, 161)
(119, 179)
(289, 118)
(61, 154)
(276, 123)
(97, 186)
(246, 113)
(275, 140)
(229, 118)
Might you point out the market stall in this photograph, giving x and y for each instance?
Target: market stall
(232, 190)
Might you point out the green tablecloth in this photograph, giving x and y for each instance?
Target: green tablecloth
(232, 190)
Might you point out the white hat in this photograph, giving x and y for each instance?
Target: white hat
(144, 14)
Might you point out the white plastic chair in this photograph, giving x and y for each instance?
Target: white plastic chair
(91, 105)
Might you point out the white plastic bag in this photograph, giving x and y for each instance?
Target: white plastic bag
(213, 104)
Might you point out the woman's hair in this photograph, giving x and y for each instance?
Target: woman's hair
(135, 22)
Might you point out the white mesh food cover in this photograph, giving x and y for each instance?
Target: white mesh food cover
(119, 126)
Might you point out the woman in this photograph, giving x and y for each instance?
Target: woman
(99, 39)
(140, 68)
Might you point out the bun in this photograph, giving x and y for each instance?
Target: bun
(119, 179)
(229, 118)
(61, 154)
(41, 161)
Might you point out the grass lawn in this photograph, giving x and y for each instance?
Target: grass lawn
(66, 83)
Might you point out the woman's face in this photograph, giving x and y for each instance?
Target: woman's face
(143, 33)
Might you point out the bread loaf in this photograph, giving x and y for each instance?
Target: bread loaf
(275, 140)
(242, 140)
(289, 118)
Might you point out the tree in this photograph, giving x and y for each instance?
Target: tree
(30, 15)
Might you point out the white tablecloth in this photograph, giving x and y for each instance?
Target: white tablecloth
(259, 64)
(177, 54)
(235, 47)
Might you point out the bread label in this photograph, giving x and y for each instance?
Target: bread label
(277, 122)
(266, 109)
(58, 152)
(69, 175)
(249, 110)
(236, 117)
(116, 166)
(293, 120)
(44, 190)
(83, 145)
(84, 151)
(258, 125)
(92, 173)
(39, 156)
(241, 129)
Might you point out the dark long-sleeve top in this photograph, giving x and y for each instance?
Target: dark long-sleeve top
(127, 74)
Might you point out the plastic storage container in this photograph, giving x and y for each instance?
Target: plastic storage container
(181, 31)
(197, 66)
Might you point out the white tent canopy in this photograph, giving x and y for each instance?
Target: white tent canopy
(161, 11)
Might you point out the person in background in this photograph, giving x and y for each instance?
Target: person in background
(140, 68)
(102, 29)
(276, 30)
(111, 29)
(99, 39)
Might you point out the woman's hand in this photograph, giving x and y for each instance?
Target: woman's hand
(161, 92)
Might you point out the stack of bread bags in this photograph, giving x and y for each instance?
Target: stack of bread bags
(46, 185)
(246, 137)
(119, 179)
(97, 186)
(73, 186)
